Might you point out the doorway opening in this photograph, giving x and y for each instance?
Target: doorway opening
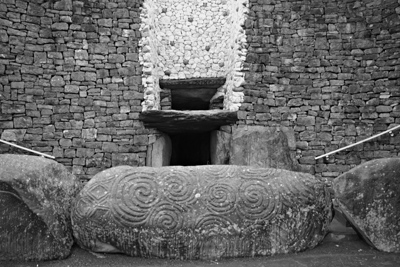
(193, 94)
(189, 149)
(192, 99)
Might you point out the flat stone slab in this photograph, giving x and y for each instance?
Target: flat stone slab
(35, 201)
(263, 147)
(179, 121)
(369, 197)
(193, 83)
(201, 212)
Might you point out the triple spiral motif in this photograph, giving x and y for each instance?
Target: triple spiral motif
(199, 212)
(175, 198)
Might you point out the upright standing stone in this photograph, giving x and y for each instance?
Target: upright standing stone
(369, 196)
(35, 200)
(260, 146)
(159, 151)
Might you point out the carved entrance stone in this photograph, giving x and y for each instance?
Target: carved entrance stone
(203, 212)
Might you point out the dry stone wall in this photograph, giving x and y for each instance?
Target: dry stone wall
(72, 79)
(328, 69)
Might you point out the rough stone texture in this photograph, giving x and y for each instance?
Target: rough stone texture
(35, 201)
(261, 146)
(179, 121)
(203, 212)
(159, 151)
(323, 68)
(194, 83)
(369, 196)
(70, 81)
(329, 70)
(220, 145)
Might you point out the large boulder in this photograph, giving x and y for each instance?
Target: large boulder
(201, 212)
(35, 200)
(369, 197)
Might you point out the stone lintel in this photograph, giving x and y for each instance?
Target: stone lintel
(194, 83)
(179, 121)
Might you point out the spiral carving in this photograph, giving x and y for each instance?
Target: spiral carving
(220, 198)
(258, 173)
(202, 211)
(211, 224)
(134, 194)
(167, 216)
(179, 186)
(257, 200)
(222, 172)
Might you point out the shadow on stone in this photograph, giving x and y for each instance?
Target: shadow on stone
(35, 198)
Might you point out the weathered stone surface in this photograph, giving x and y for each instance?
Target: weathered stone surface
(263, 147)
(35, 200)
(159, 151)
(369, 196)
(57, 81)
(201, 212)
(220, 147)
(194, 83)
(178, 121)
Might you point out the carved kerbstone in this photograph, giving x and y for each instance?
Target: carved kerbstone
(35, 201)
(201, 212)
(369, 197)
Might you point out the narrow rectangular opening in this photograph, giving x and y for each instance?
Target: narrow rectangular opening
(190, 149)
(191, 99)
(194, 94)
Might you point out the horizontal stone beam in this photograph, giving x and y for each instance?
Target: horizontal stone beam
(177, 121)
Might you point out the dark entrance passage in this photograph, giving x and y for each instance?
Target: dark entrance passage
(190, 149)
(194, 94)
(191, 99)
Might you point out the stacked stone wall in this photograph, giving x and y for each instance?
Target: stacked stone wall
(70, 81)
(331, 71)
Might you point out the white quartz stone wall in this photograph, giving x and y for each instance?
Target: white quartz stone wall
(148, 57)
(194, 37)
(184, 39)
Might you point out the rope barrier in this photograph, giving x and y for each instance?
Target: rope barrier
(359, 142)
(27, 149)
